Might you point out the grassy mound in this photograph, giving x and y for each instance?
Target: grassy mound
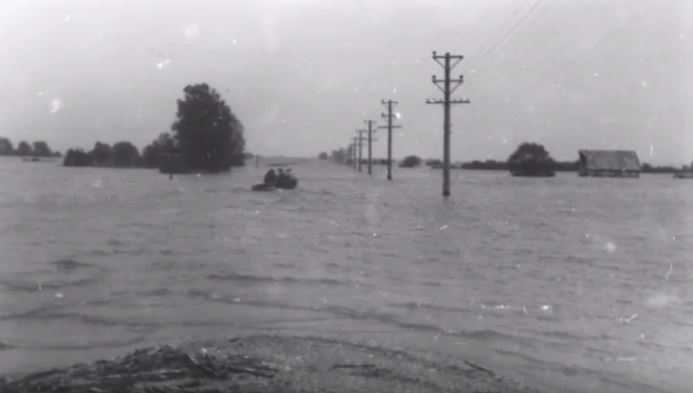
(263, 364)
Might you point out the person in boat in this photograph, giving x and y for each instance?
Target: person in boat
(271, 177)
(281, 178)
(288, 180)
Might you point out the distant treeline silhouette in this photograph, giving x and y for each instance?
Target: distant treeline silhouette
(206, 137)
(25, 149)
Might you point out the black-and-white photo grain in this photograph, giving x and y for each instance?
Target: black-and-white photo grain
(424, 196)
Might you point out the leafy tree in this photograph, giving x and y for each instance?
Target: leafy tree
(339, 155)
(24, 149)
(77, 157)
(154, 154)
(209, 135)
(322, 156)
(125, 155)
(531, 159)
(41, 149)
(102, 154)
(410, 162)
(6, 147)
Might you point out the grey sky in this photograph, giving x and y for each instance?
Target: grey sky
(302, 75)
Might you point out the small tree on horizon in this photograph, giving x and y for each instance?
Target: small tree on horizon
(530, 159)
(125, 155)
(410, 162)
(24, 149)
(41, 149)
(102, 154)
(155, 153)
(6, 146)
(208, 134)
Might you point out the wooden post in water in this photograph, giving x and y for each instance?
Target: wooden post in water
(389, 116)
(446, 102)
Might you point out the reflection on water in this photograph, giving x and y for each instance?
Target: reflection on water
(568, 281)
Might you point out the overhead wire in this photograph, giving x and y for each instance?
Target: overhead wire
(508, 36)
(499, 32)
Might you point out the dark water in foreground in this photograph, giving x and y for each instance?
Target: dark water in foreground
(583, 283)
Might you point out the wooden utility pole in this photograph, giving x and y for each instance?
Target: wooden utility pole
(370, 123)
(353, 151)
(360, 141)
(389, 116)
(347, 160)
(449, 62)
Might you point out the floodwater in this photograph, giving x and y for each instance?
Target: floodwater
(583, 284)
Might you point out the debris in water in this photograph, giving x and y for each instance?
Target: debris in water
(444, 227)
(58, 295)
(610, 247)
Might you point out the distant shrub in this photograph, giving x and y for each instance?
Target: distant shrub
(410, 162)
(125, 155)
(531, 159)
(77, 157)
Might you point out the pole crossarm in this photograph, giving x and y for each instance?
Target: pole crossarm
(451, 101)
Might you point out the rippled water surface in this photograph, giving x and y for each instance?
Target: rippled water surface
(582, 283)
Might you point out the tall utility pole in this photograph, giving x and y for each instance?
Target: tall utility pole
(360, 141)
(389, 116)
(347, 160)
(353, 151)
(370, 123)
(449, 62)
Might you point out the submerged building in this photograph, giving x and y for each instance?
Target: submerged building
(609, 163)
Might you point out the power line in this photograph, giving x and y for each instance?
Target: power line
(506, 38)
(497, 37)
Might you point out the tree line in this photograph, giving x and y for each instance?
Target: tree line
(205, 137)
(531, 159)
(26, 149)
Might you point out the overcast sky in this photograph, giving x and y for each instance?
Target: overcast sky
(302, 75)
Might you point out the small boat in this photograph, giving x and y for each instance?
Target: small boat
(289, 183)
(263, 187)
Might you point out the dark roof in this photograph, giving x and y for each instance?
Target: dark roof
(611, 160)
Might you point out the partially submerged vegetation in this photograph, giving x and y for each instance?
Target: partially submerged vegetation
(206, 137)
(410, 162)
(531, 159)
(26, 149)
